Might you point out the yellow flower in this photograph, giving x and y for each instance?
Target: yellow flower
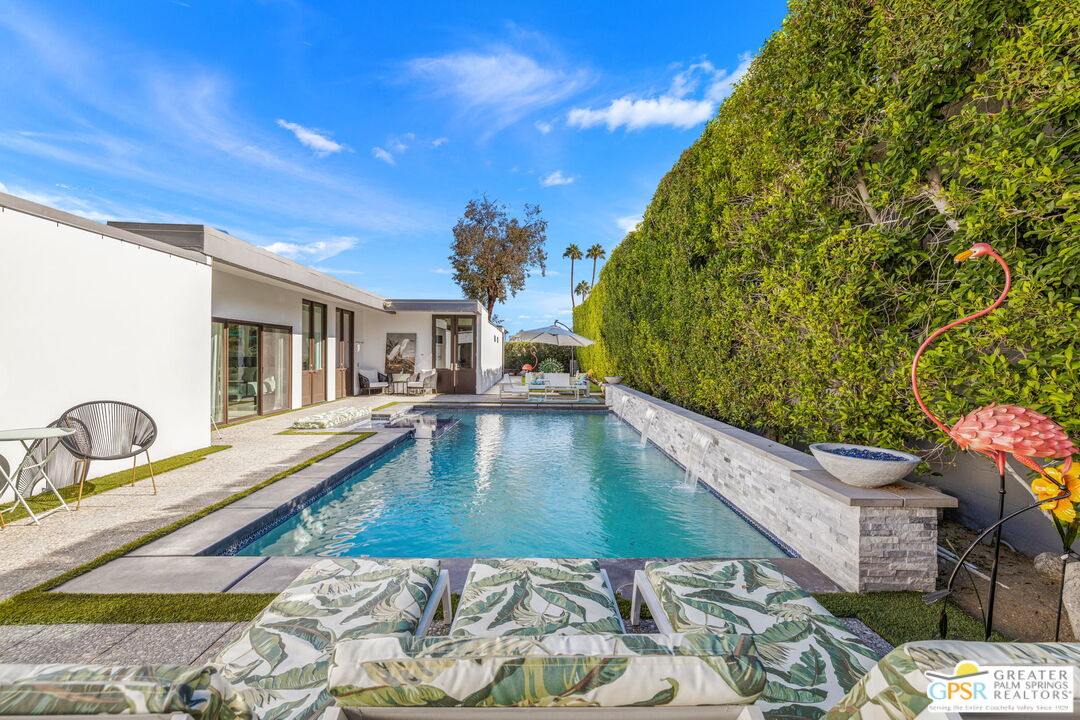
(1044, 489)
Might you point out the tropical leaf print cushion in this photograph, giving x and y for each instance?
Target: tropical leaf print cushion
(551, 671)
(811, 659)
(895, 689)
(535, 596)
(279, 664)
(93, 689)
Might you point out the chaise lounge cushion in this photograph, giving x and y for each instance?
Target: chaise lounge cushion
(811, 659)
(279, 664)
(577, 670)
(200, 692)
(535, 596)
(895, 689)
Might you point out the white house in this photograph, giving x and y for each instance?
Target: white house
(193, 325)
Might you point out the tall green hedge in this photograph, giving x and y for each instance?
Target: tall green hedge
(790, 263)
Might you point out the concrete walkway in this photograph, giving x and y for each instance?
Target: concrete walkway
(33, 554)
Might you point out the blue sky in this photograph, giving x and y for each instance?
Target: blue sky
(349, 136)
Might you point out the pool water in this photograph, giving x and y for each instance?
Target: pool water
(519, 484)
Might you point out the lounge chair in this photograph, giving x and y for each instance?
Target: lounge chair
(542, 638)
(810, 656)
(372, 381)
(513, 388)
(423, 383)
(279, 664)
(536, 596)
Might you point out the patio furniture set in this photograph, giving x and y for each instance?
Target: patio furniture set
(60, 454)
(540, 386)
(418, 383)
(531, 638)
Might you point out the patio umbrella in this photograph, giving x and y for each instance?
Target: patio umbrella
(557, 334)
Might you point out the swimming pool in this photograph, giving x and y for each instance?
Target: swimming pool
(519, 484)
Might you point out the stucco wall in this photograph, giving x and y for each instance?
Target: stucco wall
(89, 317)
(864, 539)
(491, 355)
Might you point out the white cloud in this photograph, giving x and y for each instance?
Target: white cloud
(312, 139)
(441, 271)
(628, 223)
(314, 250)
(677, 107)
(556, 178)
(499, 84)
(383, 155)
(543, 127)
(439, 142)
(338, 271)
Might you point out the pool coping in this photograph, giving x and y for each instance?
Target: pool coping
(188, 560)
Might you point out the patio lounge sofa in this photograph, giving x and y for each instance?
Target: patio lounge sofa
(810, 656)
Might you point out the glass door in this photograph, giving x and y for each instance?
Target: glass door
(249, 369)
(242, 370)
(313, 343)
(343, 381)
(274, 343)
(217, 371)
(454, 351)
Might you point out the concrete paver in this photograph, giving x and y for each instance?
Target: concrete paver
(199, 574)
(169, 643)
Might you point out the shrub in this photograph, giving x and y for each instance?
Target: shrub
(792, 260)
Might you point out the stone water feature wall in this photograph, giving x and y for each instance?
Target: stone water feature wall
(863, 539)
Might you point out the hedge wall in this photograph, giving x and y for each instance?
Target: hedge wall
(791, 262)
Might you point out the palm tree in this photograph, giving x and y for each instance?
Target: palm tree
(574, 253)
(582, 289)
(596, 252)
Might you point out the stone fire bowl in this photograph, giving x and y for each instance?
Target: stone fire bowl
(863, 472)
(613, 379)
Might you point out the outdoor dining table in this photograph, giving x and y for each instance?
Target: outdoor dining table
(28, 437)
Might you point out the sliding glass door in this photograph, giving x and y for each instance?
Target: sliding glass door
(249, 369)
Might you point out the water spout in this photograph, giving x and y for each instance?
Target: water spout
(695, 459)
(646, 425)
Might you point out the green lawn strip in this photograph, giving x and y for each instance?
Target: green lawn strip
(364, 433)
(45, 501)
(901, 617)
(37, 606)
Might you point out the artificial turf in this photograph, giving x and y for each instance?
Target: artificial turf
(38, 606)
(901, 617)
(45, 501)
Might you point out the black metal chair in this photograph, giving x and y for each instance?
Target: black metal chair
(109, 430)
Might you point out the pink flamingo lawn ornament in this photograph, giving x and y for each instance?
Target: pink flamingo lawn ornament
(997, 431)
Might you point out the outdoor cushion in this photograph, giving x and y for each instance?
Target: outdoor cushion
(279, 664)
(895, 688)
(535, 596)
(577, 670)
(811, 659)
(200, 692)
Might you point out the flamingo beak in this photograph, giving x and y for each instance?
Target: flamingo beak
(963, 256)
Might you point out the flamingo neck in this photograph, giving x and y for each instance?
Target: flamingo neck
(934, 336)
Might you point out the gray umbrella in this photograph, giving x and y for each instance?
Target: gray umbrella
(557, 334)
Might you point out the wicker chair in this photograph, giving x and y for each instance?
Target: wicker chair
(109, 430)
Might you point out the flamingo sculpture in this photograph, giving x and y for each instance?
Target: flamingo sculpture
(997, 431)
